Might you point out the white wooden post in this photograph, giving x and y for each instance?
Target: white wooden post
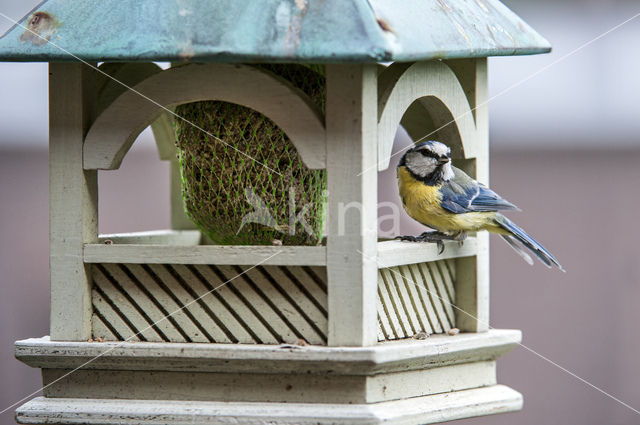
(73, 200)
(165, 136)
(351, 121)
(472, 285)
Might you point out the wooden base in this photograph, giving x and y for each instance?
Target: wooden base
(408, 381)
(419, 410)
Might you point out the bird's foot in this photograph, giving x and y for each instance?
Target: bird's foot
(435, 237)
(423, 238)
(460, 237)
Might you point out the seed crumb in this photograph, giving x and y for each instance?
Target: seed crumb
(421, 335)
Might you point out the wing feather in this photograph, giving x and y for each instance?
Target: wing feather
(463, 194)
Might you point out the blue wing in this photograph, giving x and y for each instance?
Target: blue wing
(462, 194)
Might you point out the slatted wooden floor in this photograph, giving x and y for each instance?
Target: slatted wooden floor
(260, 305)
(416, 298)
(263, 305)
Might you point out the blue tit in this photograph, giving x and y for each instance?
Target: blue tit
(443, 197)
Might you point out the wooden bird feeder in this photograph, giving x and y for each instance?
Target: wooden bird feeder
(160, 327)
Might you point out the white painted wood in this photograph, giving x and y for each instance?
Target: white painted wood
(229, 387)
(302, 302)
(261, 387)
(351, 120)
(451, 89)
(314, 282)
(448, 273)
(431, 288)
(405, 282)
(472, 290)
(395, 253)
(206, 254)
(165, 136)
(399, 385)
(159, 237)
(73, 214)
(246, 313)
(119, 76)
(194, 312)
(482, 174)
(181, 303)
(101, 307)
(113, 132)
(472, 284)
(387, 357)
(100, 330)
(398, 314)
(260, 304)
(222, 314)
(418, 298)
(429, 314)
(290, 307)
(126, 307)
(178, 216)
(157, 315)
(415, 411)
(441, 293)
(437, 87)
(385, 329)
(388, 310)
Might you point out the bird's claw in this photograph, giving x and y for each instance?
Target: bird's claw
(407, 238)
(434, 237)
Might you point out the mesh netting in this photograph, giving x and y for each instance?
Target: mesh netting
(228, 192)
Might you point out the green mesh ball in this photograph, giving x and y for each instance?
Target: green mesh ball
(236, 200)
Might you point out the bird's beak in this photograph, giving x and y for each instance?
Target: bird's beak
(443, 161)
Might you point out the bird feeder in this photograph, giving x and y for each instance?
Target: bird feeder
(173, 327)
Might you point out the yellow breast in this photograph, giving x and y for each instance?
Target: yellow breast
(422, 203)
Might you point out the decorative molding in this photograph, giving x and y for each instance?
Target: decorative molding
(443, 99)
(116, 128)
(206, 254)
(384, 357)
(414, 411)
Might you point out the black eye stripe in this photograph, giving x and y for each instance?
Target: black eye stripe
(431, 154)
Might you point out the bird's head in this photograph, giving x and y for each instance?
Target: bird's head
(429, 162)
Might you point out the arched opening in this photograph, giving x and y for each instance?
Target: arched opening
(237, 171)
(243, 180)
(427, 118)
(118, 125)
(424, 97)
(135, 197)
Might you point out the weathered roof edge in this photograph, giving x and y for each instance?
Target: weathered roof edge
(286, 31)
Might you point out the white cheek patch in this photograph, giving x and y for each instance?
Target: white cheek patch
(420, 165)
(448, 172)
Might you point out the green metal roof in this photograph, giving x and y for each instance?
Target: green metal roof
(312, 31)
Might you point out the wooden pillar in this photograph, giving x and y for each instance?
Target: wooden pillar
(165, 136)
(472, 285)
(73, 215)
(352, 180)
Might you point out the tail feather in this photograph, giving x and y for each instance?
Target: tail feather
(527, 241)
(526, 257)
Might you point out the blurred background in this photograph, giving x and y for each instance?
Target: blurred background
(565, 147)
